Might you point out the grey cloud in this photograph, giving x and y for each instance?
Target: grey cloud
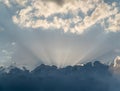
(59, 2)
(54, 46)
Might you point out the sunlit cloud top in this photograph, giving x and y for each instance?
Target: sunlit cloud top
(74, 16)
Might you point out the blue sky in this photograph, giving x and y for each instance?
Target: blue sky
(58, 32)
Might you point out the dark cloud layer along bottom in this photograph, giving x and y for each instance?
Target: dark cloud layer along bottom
(49, 78)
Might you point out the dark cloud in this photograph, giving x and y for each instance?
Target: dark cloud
(90, 77)
(59, 2)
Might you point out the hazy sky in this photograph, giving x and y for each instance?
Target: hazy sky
(58, 32)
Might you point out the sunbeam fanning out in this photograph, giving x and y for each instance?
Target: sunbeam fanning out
(58, 32)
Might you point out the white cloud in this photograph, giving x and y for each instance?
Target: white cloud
(81, 14)
(9, 3)
(21, 2)
(114, 23)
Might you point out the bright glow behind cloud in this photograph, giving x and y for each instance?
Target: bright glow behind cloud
(64, 32)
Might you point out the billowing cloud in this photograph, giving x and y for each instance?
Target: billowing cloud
(114, 23)
(68, 15)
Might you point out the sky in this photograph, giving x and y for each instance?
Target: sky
(58, 32)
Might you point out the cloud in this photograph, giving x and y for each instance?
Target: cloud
(71, 16)
(6, 53)
(95, 76)
(10, 3)
(62, 34)
(59, 2)
(114, 23)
